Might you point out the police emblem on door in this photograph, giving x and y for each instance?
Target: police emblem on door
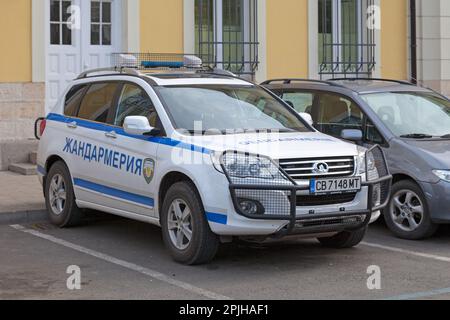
(149, 170)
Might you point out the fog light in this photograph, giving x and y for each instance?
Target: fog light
(250, 207)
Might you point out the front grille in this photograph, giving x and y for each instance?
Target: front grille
(322, 200)
(299, 169)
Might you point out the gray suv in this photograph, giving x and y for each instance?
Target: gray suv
(411, 123)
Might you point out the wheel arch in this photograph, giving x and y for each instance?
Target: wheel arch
(168, 180)
(51, 160)
(402, 176)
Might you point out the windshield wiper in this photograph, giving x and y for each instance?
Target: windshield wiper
(416, 136)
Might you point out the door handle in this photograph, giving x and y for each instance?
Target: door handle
(72, 125)
(111, 135)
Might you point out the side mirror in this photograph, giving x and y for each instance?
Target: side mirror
(307, 117)
(352, 135)
(137, 125)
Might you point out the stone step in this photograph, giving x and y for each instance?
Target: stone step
(33, 157)
(26, 169)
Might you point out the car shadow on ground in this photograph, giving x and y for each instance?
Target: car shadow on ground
(286, 253)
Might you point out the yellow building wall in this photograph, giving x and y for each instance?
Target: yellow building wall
(161, 26)
(394, 35)
(15, 37)
(287, 38)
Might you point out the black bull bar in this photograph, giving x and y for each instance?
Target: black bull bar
(383, 183)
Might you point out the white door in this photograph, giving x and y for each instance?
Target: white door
(81, 34)
(102, 32)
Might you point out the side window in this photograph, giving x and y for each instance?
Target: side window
(134, 101)
(97, 101)
(73, 100)
(302, 101)
(335, 113)
(372, 134)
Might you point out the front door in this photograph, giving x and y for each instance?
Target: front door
(81, 34)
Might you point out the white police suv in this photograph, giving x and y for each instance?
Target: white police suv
(206, 156)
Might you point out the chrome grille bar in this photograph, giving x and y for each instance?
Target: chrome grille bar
(299, 169)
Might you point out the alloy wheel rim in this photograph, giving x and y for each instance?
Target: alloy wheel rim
(57, 194)
(179, 222)
(407, 210)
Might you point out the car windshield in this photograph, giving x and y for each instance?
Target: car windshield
(227, 109)
(412, 114)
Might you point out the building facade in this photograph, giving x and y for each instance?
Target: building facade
(46, 43)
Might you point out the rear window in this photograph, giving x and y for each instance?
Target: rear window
(73, 100)
(97, 101)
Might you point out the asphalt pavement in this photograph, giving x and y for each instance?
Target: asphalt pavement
(124, 259)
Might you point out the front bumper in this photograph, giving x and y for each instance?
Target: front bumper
(281, 203)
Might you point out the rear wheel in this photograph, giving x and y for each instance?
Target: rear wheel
(407, 214)
(185, 230)
(60, 198)
(345, 239)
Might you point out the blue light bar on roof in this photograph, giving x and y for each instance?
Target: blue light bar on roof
(162, 64)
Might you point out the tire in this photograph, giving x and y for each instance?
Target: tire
(62, 213)
(203, 243)
(345, 239)
(402, 216)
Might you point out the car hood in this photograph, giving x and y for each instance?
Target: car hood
(437, 150)
(277, 145)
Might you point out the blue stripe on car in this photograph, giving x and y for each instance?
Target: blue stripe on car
(216, 217)
(108, 128)
(41, 170)
(114, 192)
(136, 198)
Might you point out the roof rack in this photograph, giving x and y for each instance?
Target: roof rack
(290, 80)
(123, 70)
(373, 79)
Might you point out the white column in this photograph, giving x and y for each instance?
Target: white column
(131, 25)
(189, 26)
(38, 20)
(313, 41)
(261, 72)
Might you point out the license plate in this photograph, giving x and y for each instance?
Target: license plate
(341, 185)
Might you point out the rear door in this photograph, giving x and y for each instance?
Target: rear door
(85, 143)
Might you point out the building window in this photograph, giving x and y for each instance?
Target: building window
(101, 22)
(226, 34)
(60, 26)
(346, 43)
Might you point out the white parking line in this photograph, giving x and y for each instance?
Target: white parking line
(414, 253)
(125, 264)
(420, 295)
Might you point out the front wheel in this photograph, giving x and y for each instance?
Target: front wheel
(345, 239)
(185, 230)
(407, 214)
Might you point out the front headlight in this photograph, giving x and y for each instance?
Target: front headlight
(361, 160)
(443, 174)
(372, 172)
(244, 165)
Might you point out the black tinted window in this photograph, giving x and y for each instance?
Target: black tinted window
(335, 113)
(134, 101)
(301, 101)
(372, 134)
(97, 101)
(73, 99)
